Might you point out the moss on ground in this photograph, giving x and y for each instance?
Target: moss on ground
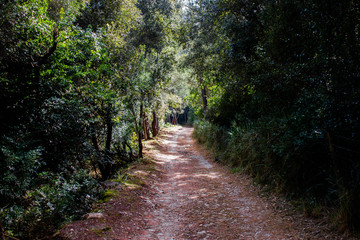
(108, 195)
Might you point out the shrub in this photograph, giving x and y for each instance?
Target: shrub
(45, 208)
(274, 154)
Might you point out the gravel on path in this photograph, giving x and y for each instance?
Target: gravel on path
(189, 196)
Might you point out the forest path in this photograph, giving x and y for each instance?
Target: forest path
(188, 196)
(199, 199)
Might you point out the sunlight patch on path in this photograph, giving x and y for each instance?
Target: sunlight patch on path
(203, 162)
(197, 199)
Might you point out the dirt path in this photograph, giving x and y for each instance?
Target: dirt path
(190, 197)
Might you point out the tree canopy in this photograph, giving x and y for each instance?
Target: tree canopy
(271, 86)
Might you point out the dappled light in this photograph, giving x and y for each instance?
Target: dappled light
(211, 175)
(197, 199)
(89, 89)
(163, 158)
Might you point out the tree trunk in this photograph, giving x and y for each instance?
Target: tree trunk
(203, 95)
(140, 132)
(2, 156)
(94, 140)
(43, 59)
(2, 232)
(333, 155)
(146, 127)
(185, 117)
(109, 131)
(155, 125)
(175, 121)
(105, 160)
(138, 129)
(131, 156)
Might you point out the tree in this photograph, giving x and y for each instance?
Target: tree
(151, 38)
(61, 105)
(286, 81)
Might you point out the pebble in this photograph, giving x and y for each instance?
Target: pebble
(94, 216)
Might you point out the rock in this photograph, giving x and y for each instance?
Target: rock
(94, 216)
(110, 184)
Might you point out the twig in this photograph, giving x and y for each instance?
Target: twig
(11, 237)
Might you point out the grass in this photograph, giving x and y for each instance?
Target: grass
(237, 170)
(134, 183)
(108, 195)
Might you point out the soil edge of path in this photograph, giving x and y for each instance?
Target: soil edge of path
(132, 211)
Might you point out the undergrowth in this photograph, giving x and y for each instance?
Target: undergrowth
(45, 208)
(290, 163)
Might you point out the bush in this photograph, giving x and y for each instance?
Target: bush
(19, 170)
(274, 154)
(45, 208)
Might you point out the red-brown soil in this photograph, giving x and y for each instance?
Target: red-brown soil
(183, 194)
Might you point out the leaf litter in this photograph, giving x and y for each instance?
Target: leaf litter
(186, 195)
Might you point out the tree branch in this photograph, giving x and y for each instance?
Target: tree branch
(51, 50)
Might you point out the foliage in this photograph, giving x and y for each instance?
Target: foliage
(283, 101)
(56, 201)
(72, 73)
(273, 86)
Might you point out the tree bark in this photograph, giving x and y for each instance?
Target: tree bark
(109, 125)
(140, 132)
(146, 128)
(155, 125)
(137, 127)
(175, 118)
(333, 155)
(105, 163)
(2, 232)
(203, 94)
(43, 59)
(2, 156)
(94, 140)
(131, 156)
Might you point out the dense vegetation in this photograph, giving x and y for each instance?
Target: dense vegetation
(279, 91)
(81, 84)
(273, 87)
